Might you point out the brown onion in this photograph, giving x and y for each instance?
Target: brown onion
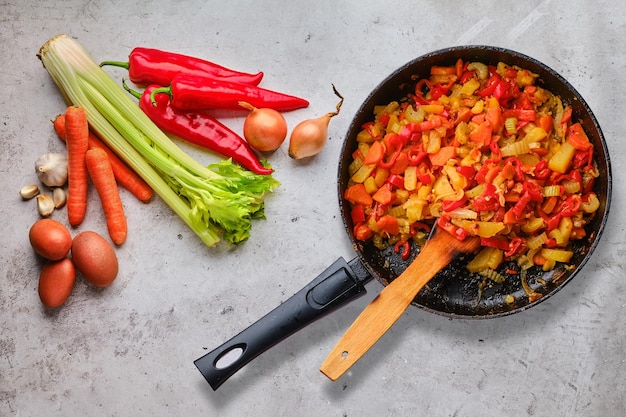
(265, 129)
(309, 136)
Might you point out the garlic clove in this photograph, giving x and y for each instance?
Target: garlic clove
(59, 197)
(51, 169)
(45, 205)
(29, 191)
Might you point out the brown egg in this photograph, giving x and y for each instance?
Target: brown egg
(56, 282)
(95, 258)
(50, 239)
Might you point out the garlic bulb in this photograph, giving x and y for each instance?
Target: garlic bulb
(51, 168)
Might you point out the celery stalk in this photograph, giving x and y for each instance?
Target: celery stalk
(217, 202)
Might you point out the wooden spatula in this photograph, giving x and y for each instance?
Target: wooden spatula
(390, 304)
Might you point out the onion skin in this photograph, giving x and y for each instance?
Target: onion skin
(309, 137)
(264, 129)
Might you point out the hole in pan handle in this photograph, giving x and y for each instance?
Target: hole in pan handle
(338, 284)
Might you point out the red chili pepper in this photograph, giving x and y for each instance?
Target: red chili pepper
(152, 66)
(520, 206)
(516, 245)
(467, 171)
(199, 129)
(189, 92)
(449, 205)
(457, 232)
(542, 170)
(488, 200)
(571, 205)
(405, 247)
(394, 158)
(495, 242)
(416, 155)
(419, 226)
(490, 86)
(533, 191)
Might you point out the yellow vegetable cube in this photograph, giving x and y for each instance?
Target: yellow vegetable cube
(561, 159)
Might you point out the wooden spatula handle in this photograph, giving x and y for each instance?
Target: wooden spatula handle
(392, 301)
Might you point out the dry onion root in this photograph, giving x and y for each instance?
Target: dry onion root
(309, 136)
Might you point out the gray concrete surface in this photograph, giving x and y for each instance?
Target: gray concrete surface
(128, 350)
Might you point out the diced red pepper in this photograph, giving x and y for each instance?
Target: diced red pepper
(495, 242)
(567, 116)
(467, 171)
(384, 119)
(449, 205)
(396, 181)
(490, 86)
(578, 138)
(488, 200)
(457, 232)
(357, 214)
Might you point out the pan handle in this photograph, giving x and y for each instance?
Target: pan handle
(339, 283)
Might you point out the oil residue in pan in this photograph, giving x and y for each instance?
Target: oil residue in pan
(455, 291)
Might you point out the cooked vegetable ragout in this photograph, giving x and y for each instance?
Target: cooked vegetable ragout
(482, 150)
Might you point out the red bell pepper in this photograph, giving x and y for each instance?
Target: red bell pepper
(357, 214)
(578, 138)
(449, 205)
(488, 200)
(153, 66)
(495, 242)
(190, 92)
(457, 232)
(467, 171)
(198, 128)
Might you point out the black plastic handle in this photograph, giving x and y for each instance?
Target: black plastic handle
(338, 284)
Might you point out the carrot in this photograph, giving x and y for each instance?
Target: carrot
(101, 174)
(76, 138)
(124, 176)
(357, 194)
(442, 156)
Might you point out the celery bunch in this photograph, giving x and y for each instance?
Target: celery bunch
(217, 202)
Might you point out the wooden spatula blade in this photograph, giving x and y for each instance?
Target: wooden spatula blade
(390, 304)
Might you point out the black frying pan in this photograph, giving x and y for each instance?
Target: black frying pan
(453, 292)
